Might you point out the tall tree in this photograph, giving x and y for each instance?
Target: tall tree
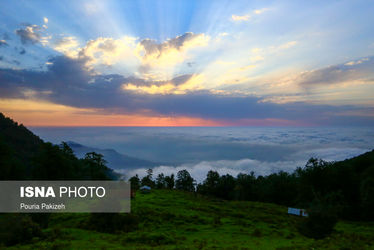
(185, 181)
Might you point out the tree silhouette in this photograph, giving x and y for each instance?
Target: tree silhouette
(185, 181)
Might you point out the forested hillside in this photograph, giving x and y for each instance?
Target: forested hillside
(23, 156)
(224, 210)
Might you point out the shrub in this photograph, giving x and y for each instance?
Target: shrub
(17, 228)
(320, 222)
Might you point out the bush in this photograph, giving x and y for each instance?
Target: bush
(320, 222)
(17, 228)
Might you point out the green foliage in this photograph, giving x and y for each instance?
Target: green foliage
(320, 221)
(226, 187)
(51, 164)
(95, 166)
(22, 143)
(148, 179)
(112, 222)
(219, 186)
(160, 181)
(185, 181)
(11, 168)
(25, 156)
(367, 197)
(170, 182)
(135, 182)
(152, 239)
(17, 228)
(172, 219)
(163, 181)
(42, 219)
(348, 186)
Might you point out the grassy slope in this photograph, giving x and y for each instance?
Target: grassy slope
(178, 220)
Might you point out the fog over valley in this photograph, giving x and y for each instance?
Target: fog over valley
(231, 150)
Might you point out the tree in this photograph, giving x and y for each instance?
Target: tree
(17, 228)
(279, 188)
(52, 164)
(96, 166)
(211, 183)
(226, 187)
(10, 167)
(169, 180)
(160, 181)
(245, 186)
(135, 182)
(66, 149)
(367, 198)
(185, 181)
(320, 222)
(96, 158)
(148, 180)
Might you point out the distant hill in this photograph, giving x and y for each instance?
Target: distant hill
(114, 159)
(363, 163)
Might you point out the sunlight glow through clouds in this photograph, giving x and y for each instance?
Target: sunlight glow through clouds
(147, 58)
(194, 83)
(268, 52)
(247, 17)
(240, 18)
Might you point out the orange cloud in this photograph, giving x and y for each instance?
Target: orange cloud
(37, 113)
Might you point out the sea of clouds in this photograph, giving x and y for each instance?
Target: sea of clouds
(199, 170)
(226, 150)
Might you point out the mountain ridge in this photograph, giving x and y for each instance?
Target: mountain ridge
(115, 160)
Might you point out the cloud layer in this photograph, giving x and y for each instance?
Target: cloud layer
(71, 82)
(234, 64)
(225, 149)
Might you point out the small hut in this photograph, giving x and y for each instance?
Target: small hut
(145, 189)
(297, 211)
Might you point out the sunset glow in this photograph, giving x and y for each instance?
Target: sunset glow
(187, 63)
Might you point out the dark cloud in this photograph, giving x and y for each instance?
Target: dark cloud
(67, 81)
(16, 62)
(152, 47)
(354, 70)
(22, 51)
(13, 61)
(190, 64)
(30, 34)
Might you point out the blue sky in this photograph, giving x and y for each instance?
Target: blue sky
(187, 63)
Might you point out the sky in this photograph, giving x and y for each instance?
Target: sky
(187, 63)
